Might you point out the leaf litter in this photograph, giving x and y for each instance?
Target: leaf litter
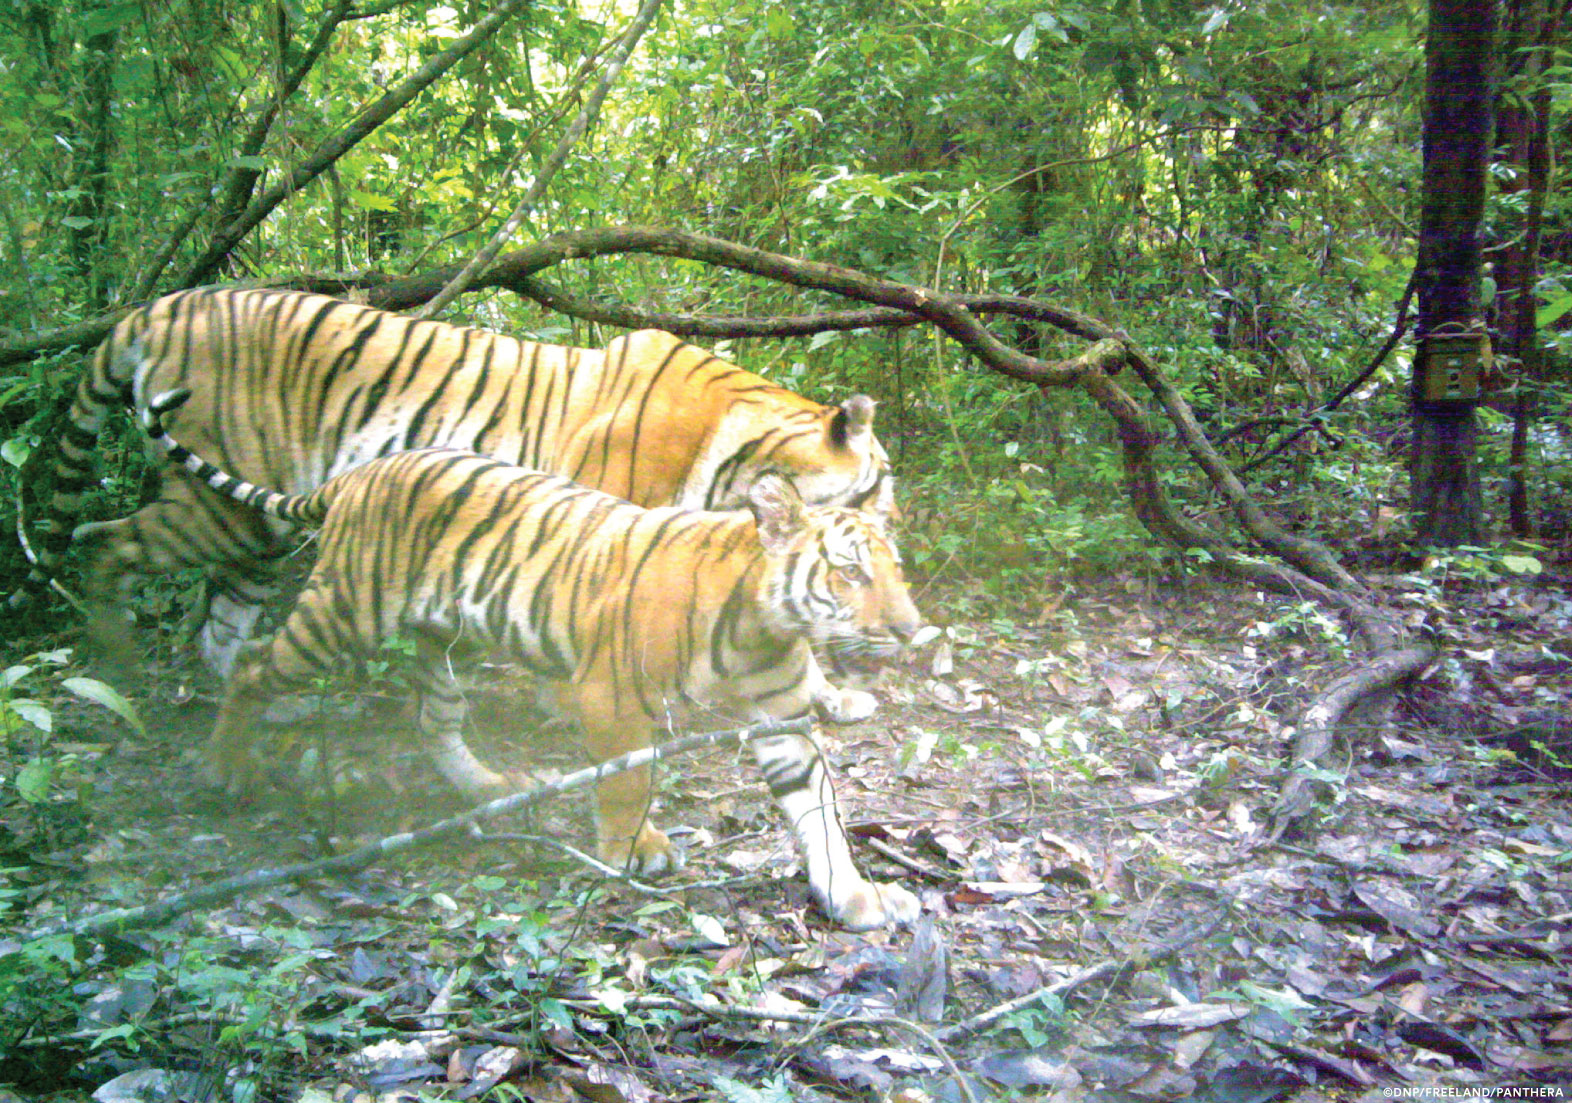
(1079, 804)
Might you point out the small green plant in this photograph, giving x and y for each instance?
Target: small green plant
(1482, 566)
(37, 771)
(1039, 1024)
(1305, 619)
(1284, 1001)
(775, 1090)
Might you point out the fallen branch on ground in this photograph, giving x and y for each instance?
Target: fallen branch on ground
(150, 915)
(1317, 728)
(1101, 970)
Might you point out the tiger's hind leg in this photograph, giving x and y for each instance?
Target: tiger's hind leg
(320, 630)
(794, 769)
(187, 526)
(264, 670)
(443, 711)
(233, 609)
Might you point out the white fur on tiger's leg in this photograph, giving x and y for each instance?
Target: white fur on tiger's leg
(441, 724)
(225, 630)
(839, 706)
(846, 706)
(442, 728)
(800, 784)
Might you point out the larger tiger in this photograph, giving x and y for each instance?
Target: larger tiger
(290, 389)
(633, 615)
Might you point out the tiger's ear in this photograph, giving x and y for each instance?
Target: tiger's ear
(853, 419)
(881, 510)
(777, 511)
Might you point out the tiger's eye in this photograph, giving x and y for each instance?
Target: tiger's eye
(853, 574)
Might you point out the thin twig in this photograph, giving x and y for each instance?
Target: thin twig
(1091, 973)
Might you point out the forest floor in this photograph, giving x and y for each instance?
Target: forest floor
(1080, 804)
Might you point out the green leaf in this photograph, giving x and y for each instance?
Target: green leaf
(372, 201)
(91, 689)
(15, 451)
(33, 780)
(76, 222)
(778, 24)
(555, 1013)
(612, 998)
(1552, 310)
(111, 18)
(114, 1033)
(1025, 42)
(247, 162)
(34, 713)
(1522, 564)
(1045, 21)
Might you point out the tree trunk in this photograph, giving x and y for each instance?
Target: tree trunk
(1523, 125)
(1459, 101)
(87, 212)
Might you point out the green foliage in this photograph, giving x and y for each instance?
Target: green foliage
(1039, 1024)
(773, 1090)
(1304, 619)
(37, 774)
(1476, 568)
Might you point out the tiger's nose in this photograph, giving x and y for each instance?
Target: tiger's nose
(904, 628)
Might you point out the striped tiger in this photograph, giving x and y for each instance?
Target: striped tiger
(289, 389)
(632, 615)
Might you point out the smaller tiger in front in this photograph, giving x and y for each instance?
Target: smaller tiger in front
(632, 615)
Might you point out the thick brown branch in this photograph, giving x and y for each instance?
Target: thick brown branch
(950, 313)
(1163, 519)
(1308, 555)
(1318, 726)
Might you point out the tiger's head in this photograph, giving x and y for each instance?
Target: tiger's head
(829, 452)
(833, 574)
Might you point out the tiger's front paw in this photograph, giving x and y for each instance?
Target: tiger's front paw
(846, 706)
(869, 905)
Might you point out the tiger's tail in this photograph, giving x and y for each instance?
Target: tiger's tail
(296, 508)
(104, 386)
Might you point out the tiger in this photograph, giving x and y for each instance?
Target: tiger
(290, 389)
(631, 615)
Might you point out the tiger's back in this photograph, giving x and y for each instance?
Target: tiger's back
(653, 606)
(289, 389)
